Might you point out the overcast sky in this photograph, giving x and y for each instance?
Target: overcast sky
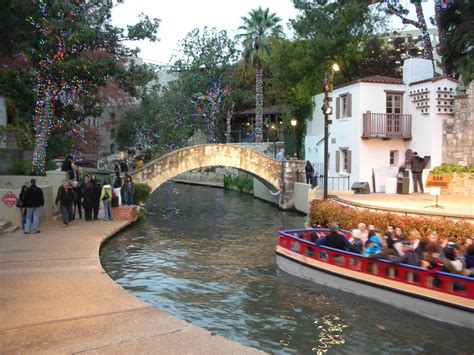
(178, 17)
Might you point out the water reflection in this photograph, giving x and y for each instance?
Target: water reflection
(207, 256)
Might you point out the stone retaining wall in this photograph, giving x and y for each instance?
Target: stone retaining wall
(462, 184)
(458, 131)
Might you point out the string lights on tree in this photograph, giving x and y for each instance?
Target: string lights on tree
(49, 90)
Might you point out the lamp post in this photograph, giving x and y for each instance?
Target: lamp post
(274, 136)
(327, 110)
(293, 124)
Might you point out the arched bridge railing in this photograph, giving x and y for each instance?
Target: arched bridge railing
(180, 161)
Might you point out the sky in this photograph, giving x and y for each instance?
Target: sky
(179, 17)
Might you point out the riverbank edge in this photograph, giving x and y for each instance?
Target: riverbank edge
(59, 299)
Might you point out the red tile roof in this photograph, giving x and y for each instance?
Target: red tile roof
(377, 79)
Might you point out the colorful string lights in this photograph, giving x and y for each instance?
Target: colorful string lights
(49, 90)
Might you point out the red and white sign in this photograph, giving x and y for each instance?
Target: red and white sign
(9, 199)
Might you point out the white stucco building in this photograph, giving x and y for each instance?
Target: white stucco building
(376, 119)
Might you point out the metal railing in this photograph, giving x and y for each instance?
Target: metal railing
(386, 125)
(336, 183)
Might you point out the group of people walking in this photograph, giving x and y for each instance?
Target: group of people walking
(74, 197)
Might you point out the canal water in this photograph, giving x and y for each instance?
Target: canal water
(207, 256)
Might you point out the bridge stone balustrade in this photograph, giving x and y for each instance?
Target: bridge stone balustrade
(279, 175)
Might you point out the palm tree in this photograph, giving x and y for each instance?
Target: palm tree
(258, 26)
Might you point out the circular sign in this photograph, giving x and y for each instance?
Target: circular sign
(9, 199)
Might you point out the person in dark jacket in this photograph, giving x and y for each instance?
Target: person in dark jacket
(33, 201)
(21, 205)
(417, 164)
(78, 201)
(409, 257)
(89, 200)
(128, 190)
(97, 187)
(335, 239)
(66, 198)
(309, 170)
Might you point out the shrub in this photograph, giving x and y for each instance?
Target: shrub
(20, 167)
(323, 212)
(451, 168)
(241, 183)
(141, 192)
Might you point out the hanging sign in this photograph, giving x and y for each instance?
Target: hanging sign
(9, 199)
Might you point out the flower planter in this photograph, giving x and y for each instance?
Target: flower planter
(125, 213)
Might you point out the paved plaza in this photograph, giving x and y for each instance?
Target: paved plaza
(56, 298)
(460, 207)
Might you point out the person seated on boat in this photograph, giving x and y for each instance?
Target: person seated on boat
(469, 260)
(361, 232)
(357, 244)
(374, 232)
(400, 234)
(431, 242)
(409, 256)
(432, 259)
(373, 246)
(452, 262)
(416, 242)
(335, 239)
(313, 237)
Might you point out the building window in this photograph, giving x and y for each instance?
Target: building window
(394, 103)
(112, 133)
(393, 158)
(112, 116)
(343, 160)
(344, 105)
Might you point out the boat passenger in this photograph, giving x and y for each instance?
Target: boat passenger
(469, 260)
(374, 246)
(361, 232)
(399, 233)
(409, 256)
(431, 242)
(452, 262)
(357, 244)
(335, 239)
(415, 241)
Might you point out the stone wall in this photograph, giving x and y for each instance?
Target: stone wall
(462, 184)
(458, 131)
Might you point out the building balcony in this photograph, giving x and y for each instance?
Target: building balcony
(386, 126)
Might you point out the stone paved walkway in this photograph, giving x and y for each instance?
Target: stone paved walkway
(56, 298)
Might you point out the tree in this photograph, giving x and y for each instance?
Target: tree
(65, 51)
(395, 8)
(257, 28)
(205, 62)
(456, 29)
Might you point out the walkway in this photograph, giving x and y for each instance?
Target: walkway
(459, 207)
(56, 298)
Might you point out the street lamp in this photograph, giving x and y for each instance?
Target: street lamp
(293, 124)
(327, 110)
(274, 136)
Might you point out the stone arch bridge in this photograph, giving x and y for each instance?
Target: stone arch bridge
(277, 175)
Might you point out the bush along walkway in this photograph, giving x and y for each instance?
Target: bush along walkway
(56, 298)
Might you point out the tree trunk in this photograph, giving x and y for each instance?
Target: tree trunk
(258, 103)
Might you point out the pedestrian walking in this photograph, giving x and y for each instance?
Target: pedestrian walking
(97, 187)
(281, 154)
(21, 205)
(78, 201)
(65, 198)
(89, 200)
(128, 191)
(106, 197)
(309, 170)
(118, 188)
(33, 201)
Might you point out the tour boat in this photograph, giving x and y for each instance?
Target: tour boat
(443, 296)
